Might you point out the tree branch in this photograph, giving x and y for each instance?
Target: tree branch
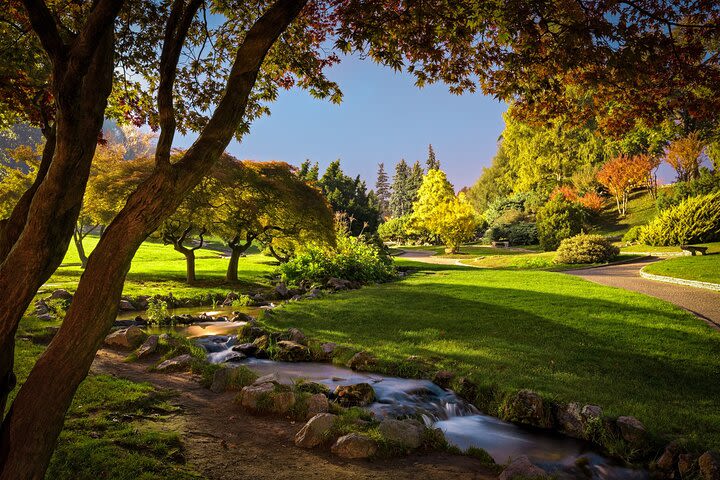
(45, 28)
(202, 240)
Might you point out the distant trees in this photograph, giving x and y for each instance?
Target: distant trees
(623, 173)
(350, 196)
(432, 162)
(382, 190)
(17, 174)
(683, 154)
(401, 199)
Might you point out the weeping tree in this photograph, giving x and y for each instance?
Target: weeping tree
(66, 68)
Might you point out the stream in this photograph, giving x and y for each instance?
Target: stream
(463, 424)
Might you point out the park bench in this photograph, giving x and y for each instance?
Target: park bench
(693, 250)
(501, 244)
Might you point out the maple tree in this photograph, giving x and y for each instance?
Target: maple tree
(621, 174)
(66, 68)
(683, 154)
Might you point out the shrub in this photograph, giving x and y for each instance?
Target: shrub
(157, 311)
(558, 220)
(242, 301)
(632, 235)
(523, 233)
(593, 202)
(586, 249)
(694, 220)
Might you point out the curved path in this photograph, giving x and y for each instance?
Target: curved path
(428, 256)
(703, 303)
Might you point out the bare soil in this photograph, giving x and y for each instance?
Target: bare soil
(224, 442)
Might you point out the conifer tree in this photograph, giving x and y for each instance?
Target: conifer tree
(415, 180)
(432, 162)
(382, 190)
(401, 199)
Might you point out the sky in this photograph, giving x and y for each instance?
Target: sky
(383, 117)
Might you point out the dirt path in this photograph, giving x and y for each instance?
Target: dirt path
(703, 303)
(223, 442)
(427, 256)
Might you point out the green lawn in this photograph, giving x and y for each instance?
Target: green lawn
(469, 251)
(703, 268)
(713, 247)
(529, 261)
(640, 210)
(569, 339)
(157, 268)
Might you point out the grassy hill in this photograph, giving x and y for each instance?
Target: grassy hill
(640, 210)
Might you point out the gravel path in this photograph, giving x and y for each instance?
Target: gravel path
(703, 303)
(427, 256)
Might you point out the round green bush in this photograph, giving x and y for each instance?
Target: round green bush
(586, 249)
(694, 220)
(559, 219)
(633, 235)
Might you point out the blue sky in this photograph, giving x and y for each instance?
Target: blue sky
(383, 117)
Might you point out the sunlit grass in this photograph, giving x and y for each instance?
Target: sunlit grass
(703, 268)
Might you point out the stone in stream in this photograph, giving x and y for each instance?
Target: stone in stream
(282, 290)
(521, 468)
(312, 388)
(569, 419)
(315, 431)
(354, 445)
(289, 351)
(362, 361)
(148, 347)
(248, 349)
(296, 335)
(358, 395)
(181, 363)
(407, 433)
(317, 404)
(527, 407)
(632, 430)
(230, 298)
(709, 463)
(125, 305)
(241, 317)
(262, 343)
(269, 378)
(128, 338)
(443, 378)
(266, 398)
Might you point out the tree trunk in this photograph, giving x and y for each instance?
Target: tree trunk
(190, 266)
(232, 271)
(78, 239)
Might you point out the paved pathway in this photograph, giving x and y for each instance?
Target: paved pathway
(428, 256)
(703, 303)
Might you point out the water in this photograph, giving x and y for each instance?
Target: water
(463, 424)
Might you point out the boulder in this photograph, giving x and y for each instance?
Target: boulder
(315, 431)
(312, 388)
(61, 294)
(709, 463)
(686, 464)
(253, 395)
(407, 433)
(521, 468)
(141, 302)
(180, 363)
(362, 361)
(591, 412)
(128, 338)
(289, 351)
(230, 298)
(569, 419)
(262, 343)
(148, 347)
(126, 306)
(317, 404)
(354, 445)
(358, 395)
(296, 335)
(269, 378)
(221, 379)
(667, 460)
(248, 349)
(338, 284)
(443, 378)
(45, 317)
(41, 308)
(282, 401)
(282, 290)
(241, 317)
(527, 407)
(632, 430)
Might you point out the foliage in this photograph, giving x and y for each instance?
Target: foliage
(350, 196)
(623, 173)
(439, 211)
(242, 301)
(519, 233)
(157, 312)
(593, 202)
(683, 154)
(558, 220)
(353, 258)
(633, 234)
(382, 190)
(16, 177)
(707, 182)
(492, 184)
(694, 220)
(585, 248)
(432, 161)
(401, 198)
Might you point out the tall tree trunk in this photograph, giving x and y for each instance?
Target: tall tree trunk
(31, 428)
(78, 239)
(232, 271)
(189, 266)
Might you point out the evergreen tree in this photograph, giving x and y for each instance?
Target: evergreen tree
(350, 196)
(432, 162)
(309, 172)
(382, 190)
(400, 198)
(415, 180)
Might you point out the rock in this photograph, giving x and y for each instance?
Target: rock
(252, 395)
(521, 467)
(358, 395)
(282, 402)
(180, 363)
(467, 388)
(262, 343)
(248, 349)
(686, 464)
(129, 337)
(296, 335)
(312, 388)
(282, 290)
(126, 306)
(61, 294)
(235, 357)
(241, 317)
(45, 317)
(315, 431)
(313, 294)
(569, 419)
(230, 298)
(41, 308)
(591, 412)
(407, 433)
(362, 361)
(222, 379)
(317, 404)
(289, 351)
(141, 302)
(709, 463)
(269, 378)
(632, 430)
(338, 284)
(148, 347)
(667, 460)
(354, 445)
(527, 407)
(443, 378)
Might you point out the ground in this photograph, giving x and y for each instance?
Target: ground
(703, 268)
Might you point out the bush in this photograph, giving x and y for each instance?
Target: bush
(157, 312)
(523, 233)
(586, 249)
(708, 182)
(352, 259)
(632, 235)
(694, 220)
(557, 220)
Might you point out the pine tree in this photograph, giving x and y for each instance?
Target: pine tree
(415, 180)
(382, 190)
(400, 199)
(309, 172)
(432, 162)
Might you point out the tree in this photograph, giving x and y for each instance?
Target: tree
(557, 220)
(85, 56)
(415, 180)
(16, 176)
(350, 196)
(432, 162)
(401, 198)
(623, 173)
(492, 184)
(309, 172)
(683, 154)
(382, 190)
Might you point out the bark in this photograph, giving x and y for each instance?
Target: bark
(78, 239)
(236, 249)
(30, 430)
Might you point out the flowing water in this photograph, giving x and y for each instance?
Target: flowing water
(463, 424)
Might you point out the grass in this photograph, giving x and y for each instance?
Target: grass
(529, 261)
(703, 268)
(469, 251)
(713, 247)
(158, 269)
(568, 339)
(640, 210)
